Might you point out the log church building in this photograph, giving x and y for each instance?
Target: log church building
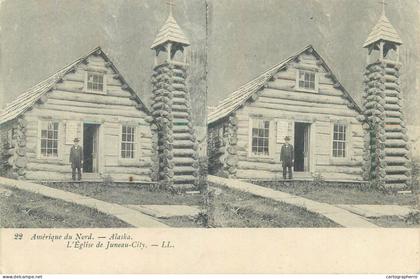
(333, 136)
(121, 138)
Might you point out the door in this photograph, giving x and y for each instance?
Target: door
(301, 147)
(306, 147)
(90, 147)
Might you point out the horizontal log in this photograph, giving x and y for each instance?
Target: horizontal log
(92, 98)
(394, 121)
(396, 186)
(126, 177)
(392, 100)
(395, 178)
(390, 78)
(127, 107)
(393, 128)
(393, 113)
(393, 107)
(342, 170)
(183, 144)
(393, 161)
(184, 136)
(395, 135)
(313, 103)
(93, 111)
(184, 169)
(341, 176)
(183, 152)
(395, 143)
(184, 178)
(396, 151)
(127, 170)
(48, 175)
(177, 114)
(184, 160)
(258, 106)
(258, 174)
(396, 169)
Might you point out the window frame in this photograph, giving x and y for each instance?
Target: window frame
(270, 138)
(316, 80)
(346, 142)
(135, 142)
(40, 138)
(104, 88)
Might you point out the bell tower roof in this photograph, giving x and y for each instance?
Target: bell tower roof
(383, 31)
(170, 32)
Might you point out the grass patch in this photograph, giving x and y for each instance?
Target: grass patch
(393, 222)
(21, 209)
(128, 194)
(238, 209)
(338, 194)
(181, 222)
(124, 194)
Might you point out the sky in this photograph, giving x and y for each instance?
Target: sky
(39, 37)
(243, 38)
(247, 37)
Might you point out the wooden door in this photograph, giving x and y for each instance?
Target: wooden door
(95, 138)
(306, 133)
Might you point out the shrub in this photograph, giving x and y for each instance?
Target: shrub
(108, 181)
(318, 180)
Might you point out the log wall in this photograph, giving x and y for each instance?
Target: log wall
(388, 160)
(69, 101)
(280, 100)
(176, 139)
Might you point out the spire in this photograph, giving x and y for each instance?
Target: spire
(170, 31)
(383, 7)
(170, 4)
(383, 31)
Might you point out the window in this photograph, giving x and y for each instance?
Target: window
(307, 80)
(49, 139)
(339, 141)
(260, 137)
(127, 142)
(95, 82)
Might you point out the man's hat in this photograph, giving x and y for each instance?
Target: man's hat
(286, 138)
(76, 139)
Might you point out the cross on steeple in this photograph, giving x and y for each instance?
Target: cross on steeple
(171, 4)
(383, 6)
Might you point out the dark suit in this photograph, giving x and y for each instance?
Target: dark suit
(287, 157)
(76, 158)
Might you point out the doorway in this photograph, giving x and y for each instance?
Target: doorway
(90, 147)
(301, 144)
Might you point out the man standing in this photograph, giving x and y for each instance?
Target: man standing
(287, 157)
(76, 160)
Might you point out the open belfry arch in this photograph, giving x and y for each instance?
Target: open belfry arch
(171, 108)
(387, 153)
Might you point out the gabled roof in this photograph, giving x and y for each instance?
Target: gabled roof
(246, 91)
(27, 99)
(170, 32)
(384, 31)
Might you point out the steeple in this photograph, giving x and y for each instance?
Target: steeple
(176, 146)
(386, 159)
(170, 38)
(383, 38)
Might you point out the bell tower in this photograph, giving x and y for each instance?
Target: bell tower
(171, 108)
(387, 149)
